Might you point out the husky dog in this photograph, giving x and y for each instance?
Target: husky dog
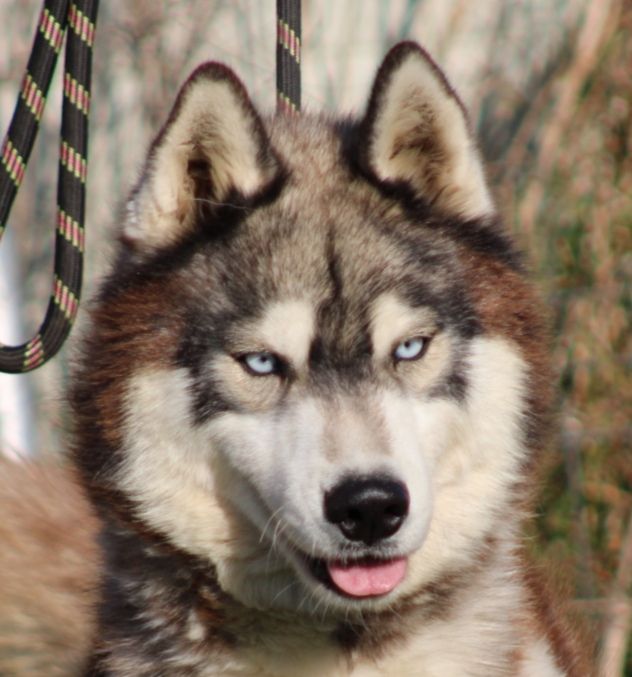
(312, 399)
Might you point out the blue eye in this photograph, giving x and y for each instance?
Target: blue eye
(410, 349)
(261, 364)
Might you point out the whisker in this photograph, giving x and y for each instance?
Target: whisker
(213, 203)
(282, 590)
(268, 522)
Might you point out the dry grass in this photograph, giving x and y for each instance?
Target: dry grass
(565, 177)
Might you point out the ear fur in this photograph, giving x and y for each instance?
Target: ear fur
(416, 131)
(213, 149)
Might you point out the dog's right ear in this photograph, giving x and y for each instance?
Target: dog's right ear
(415, 132)
(213, 149)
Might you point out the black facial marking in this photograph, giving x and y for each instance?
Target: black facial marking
(483, 236)
(334, 267)
(454, 385)
(197, 345)
(341, 349)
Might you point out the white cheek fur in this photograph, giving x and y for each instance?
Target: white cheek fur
(478, 464)
(213, 489)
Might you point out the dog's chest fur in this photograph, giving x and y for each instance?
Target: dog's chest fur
(478, 624)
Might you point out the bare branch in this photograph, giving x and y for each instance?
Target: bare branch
(618, 615)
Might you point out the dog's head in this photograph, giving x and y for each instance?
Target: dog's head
(316, 364)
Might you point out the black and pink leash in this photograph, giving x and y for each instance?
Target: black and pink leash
(288, 56)
(76, 19)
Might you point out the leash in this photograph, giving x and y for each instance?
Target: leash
(76, 19)
(288, 56)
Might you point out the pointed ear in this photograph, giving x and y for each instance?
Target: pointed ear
(416, 131)
(213, 149)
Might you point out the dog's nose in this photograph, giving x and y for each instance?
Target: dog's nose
(367, 509)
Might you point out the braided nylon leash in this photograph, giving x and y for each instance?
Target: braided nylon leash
(77, 20)
(80, 18)
(288, 56)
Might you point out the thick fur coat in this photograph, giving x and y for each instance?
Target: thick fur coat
(312, 398)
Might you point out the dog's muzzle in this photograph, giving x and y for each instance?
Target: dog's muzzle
(367, 510)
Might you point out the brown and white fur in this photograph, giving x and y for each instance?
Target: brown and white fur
(317, 353)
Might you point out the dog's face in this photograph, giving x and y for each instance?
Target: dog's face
(323, 378)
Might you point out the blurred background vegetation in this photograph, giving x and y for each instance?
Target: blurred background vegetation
(549, 87)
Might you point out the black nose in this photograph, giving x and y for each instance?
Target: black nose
(367, 509)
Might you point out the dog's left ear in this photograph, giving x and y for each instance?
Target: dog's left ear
(416, 131)
(212, 152)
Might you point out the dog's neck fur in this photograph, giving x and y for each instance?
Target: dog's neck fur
(151, 617)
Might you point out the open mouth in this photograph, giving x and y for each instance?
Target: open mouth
(366, 577)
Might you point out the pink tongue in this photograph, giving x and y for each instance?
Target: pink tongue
(366, 580)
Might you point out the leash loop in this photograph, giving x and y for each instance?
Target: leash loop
(76, 20)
